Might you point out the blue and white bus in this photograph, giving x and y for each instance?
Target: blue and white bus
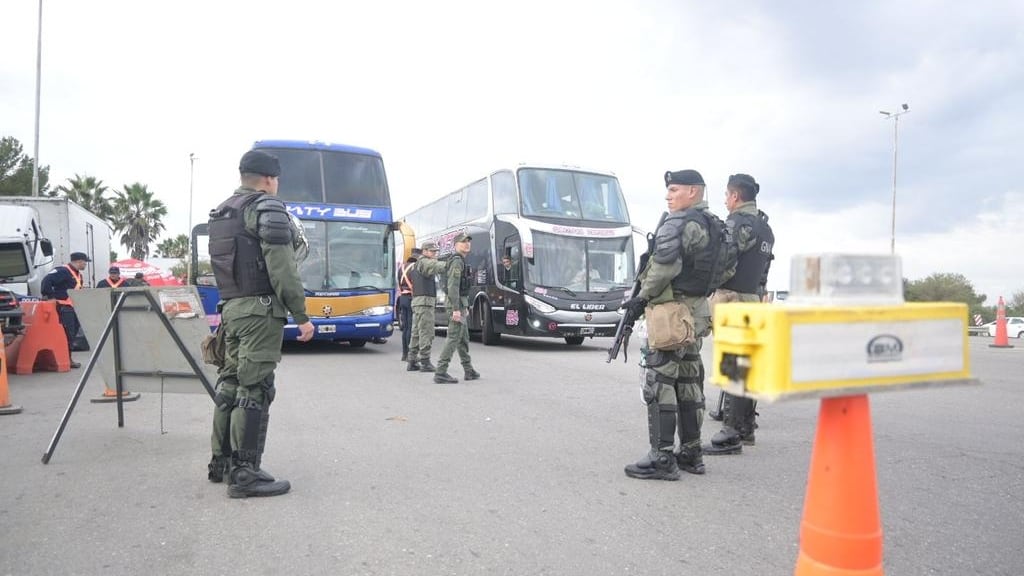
(340, 193)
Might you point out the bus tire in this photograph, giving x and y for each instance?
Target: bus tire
(488, 335)
(574, 340)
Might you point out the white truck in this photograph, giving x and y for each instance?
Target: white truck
(37, 234)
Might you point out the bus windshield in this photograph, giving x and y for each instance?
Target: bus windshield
(331, 177)
(345, 255)
(580, 264)
(571, 195)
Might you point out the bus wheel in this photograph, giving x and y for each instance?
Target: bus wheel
(488, 336)
(357, 343)
(574, 340)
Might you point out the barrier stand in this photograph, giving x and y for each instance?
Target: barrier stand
(45, 345)
(5, 393)
(151, 306)
(1002, 338)
(843, 332)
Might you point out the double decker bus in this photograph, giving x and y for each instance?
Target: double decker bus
(552, 252)
(340, 194)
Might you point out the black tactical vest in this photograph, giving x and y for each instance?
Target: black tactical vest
(752, 267)
(698, 269)
(422, 285)
(235, 254)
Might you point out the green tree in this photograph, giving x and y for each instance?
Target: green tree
(1015, 305)
(946, 287)
(138, 218)
(16, 170)
(87, 192)
(176, 247)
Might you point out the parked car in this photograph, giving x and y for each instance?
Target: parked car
(1014, 327)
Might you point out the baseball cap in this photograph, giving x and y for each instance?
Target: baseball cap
(80, 256)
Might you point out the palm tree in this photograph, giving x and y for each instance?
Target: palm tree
(87, 192)
(137, 217)
(176, 247)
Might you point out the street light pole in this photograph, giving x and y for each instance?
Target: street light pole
(895, 116)
(39, 67)
(191, 179)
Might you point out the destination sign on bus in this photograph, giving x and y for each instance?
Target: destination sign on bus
(331, 212)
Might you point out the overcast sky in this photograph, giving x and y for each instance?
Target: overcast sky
(448, 91)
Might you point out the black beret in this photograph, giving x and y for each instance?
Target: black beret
(745, 181)
(259, 162)
(684, 178)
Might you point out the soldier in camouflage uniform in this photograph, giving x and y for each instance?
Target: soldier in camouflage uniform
(457, 284)
(755, 239)
(253, 257)
(680, 269)
(424, 298)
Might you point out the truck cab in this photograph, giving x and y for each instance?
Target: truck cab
(25, 255)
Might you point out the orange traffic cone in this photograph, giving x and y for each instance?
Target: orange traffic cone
(841, 531)
(45, 344)
(1001, 340)
(5, 394)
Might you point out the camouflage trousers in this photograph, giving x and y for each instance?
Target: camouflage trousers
(458, 340)
(251, 353)
(422, 332)
(685, 370)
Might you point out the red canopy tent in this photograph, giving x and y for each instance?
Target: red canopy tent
(150, 273)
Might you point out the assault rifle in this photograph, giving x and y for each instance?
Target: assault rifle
(629, 318)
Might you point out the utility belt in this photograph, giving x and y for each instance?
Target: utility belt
(268, 296)
(656, 358)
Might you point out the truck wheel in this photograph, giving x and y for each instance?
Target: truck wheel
(488, 336)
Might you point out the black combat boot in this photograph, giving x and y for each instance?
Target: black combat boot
(405, 357)
(246, 480)
(691, 460)
(738, 429)
(444, 378)
(413, 366)
(726, 441)
(660, 465)
(218, 468)
(426, 366)
(472, 374)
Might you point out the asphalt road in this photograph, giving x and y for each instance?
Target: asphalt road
(517, 473)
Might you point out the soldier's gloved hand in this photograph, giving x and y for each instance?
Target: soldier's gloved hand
(635, 306)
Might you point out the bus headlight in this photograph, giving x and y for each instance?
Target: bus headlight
(538, 305)
(374, 311)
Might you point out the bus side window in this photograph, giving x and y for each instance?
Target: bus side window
(509, 267)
